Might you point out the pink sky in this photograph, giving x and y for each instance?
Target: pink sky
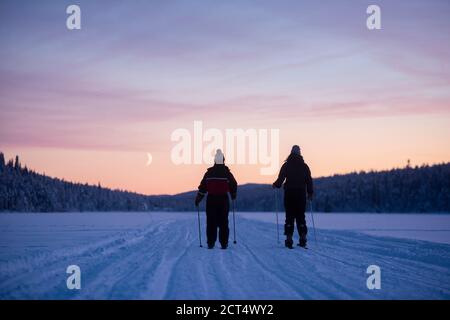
(88, 105)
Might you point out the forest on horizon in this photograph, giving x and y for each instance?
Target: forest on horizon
(419, 189)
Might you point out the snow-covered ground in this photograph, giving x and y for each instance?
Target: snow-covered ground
(429, 227)
(157, 256)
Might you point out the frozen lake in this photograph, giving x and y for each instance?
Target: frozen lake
(429, 227)
(157, 256)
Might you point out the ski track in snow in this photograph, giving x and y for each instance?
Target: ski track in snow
(162, 260)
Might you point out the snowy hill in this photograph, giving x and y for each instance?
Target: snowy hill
(419, 190)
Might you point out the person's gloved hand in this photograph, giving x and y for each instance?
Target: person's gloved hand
(310, 196)
(198, 199)
(233, 196)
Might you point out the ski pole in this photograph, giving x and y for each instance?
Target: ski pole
(276, 213)
(199, 227)
(312, 218)
(234, 221)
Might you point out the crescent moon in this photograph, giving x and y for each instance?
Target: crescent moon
(149, 159)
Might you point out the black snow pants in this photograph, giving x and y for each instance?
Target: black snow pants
(217, 208)
(295, 205)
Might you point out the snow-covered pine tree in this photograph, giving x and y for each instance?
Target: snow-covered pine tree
(2, 162)
(17, 164)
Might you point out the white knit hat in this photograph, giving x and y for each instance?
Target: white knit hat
(219, 158)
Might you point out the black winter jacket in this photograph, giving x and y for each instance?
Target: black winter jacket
(297, 175)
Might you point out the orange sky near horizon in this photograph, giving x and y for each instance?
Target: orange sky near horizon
(329, 147)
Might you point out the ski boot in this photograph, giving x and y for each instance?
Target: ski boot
(302, 241)
(289, 242)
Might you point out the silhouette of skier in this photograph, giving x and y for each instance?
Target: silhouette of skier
(217, 182)
(298, 184)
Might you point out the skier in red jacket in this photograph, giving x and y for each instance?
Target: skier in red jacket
(217, 182)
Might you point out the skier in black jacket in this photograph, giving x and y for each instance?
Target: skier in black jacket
(217, 182)
(298, 184)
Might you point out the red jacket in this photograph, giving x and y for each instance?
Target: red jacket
(218, 180)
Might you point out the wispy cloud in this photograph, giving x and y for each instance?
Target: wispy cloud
(137, 65)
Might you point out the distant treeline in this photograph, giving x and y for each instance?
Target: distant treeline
(24, 190)
(410, 189)
(419, 189)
